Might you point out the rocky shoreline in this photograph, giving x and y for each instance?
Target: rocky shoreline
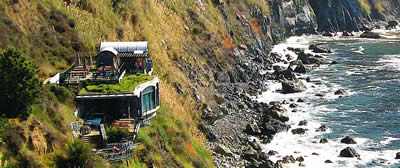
(239, 117)
(238, 124)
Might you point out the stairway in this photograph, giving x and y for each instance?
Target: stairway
(93, 137)
(85, 139)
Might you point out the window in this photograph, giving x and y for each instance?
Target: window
(148, 99)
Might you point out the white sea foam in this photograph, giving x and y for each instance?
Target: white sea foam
(391, 61)
(305, 145)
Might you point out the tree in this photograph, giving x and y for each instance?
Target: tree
(19, 84)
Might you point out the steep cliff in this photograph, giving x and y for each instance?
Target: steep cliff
(353, 15)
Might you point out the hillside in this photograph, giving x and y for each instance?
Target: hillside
(208, 55)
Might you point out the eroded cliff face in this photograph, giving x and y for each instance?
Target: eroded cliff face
(353, 15)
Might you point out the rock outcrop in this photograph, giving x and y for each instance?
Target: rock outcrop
(349, 152)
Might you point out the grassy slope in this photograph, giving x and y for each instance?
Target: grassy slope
(181, 32)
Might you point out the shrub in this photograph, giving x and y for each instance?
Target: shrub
(116, 134)
(19, 84)
(76, 154)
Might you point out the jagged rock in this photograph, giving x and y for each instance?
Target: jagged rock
(293, 105)
(309, 59)
(397, 155)
(348, 140)
(349, 152)
(369, 34)
(300, 159)
(272, 153)
(347, 34)
(301, 100)
(251, 155)
(319, 49)
(393, 23)
(327, 34)
(323, 141)
(285, 74)
(300, 69)
(178, 88)
(322, 128)
(299, 131)
(340, 92)
(293, 86)
(288, 159)
(303, 123)
(252, 129)
(223, 150)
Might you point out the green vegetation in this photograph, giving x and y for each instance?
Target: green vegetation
(19, 84)
(77, 154)
(127, 84)
(365, 5)
(188, 151)
(116, 134)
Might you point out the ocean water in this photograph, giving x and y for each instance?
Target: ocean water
(369, 112)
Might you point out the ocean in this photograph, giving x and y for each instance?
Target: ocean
(369, 71)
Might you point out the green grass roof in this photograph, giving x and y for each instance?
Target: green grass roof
(127, 84)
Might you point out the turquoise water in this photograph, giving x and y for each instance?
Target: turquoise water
(372, 110)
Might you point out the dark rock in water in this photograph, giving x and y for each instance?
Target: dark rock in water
(296, 50)
(293, 105)
(300, 159)
(302, 165)
(296, 62)
(340, 92)
(319, 95)
(301, 100)
(303, 123)
(334, 62)
(294, 111)
(272, 153)
(221, 149)
(278, 68)
(369, 34)
(315, 154)
(327, 34)
(293, 86)
(328, 161)
(300, 69)
(299, 131)
(288, 159)
(309, 59)
(348, 140)
(323, 141)
(347, 34)
(349, 152)
(322, 128)
(319, 49)
(308, 79)
(398, 155)
(393, 23)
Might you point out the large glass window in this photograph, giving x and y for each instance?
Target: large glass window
(148, 99)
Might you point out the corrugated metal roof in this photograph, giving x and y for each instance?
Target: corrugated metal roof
(110, 49)
(132, 55)
(125, 46)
